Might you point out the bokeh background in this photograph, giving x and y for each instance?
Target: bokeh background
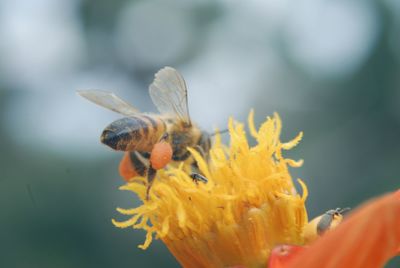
(330, 68)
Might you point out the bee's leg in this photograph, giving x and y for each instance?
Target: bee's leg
(159, 157)
(203, 154)
(151, 174)
(196, 177)
(201, 151)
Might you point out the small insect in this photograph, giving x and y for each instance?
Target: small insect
(323, 223)
(151, 141)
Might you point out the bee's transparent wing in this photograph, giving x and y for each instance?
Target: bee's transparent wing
(109, 100)
(168, 92)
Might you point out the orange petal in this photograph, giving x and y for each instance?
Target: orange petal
(367, 239)
(282, 254)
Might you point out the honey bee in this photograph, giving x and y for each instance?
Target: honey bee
(151, 141)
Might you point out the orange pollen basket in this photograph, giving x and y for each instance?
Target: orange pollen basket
(126, 168)
(161, 155)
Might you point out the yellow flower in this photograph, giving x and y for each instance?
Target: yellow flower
(248, 206)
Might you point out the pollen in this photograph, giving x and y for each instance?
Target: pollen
(249, 205)
(161, 155)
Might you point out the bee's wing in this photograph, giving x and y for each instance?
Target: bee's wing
(109, 100)
(168, 92)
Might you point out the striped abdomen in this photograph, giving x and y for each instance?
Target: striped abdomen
(136, 133)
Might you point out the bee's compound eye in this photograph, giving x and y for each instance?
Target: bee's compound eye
(161, 155)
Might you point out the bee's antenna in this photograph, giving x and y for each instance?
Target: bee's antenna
(344, 210)
(219, 132)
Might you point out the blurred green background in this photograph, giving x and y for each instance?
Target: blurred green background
(330, 68)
